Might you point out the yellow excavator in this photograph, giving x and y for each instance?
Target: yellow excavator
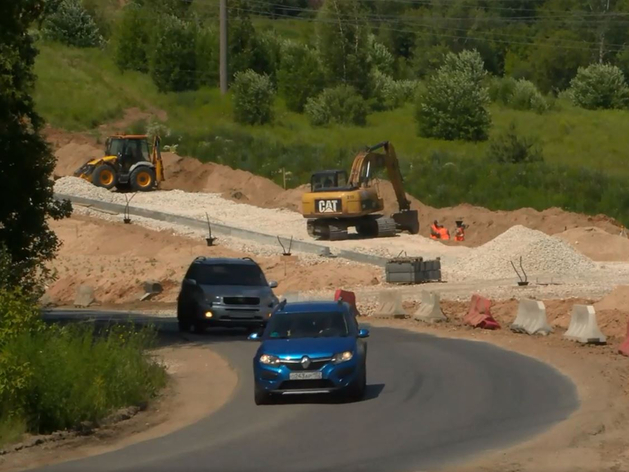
(336, 203)
(128, 163)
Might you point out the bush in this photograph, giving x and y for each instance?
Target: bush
(133, 38)
(388, 93)
(509, 148)
(380, 56)
(454, 103)
(525, 96)
(300, 75)
(71, 24)
(501, 89)
(173, 62)
(253, 98)
(340, 105)
(599, 86)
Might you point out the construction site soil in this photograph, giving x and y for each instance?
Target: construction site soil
(190, 175)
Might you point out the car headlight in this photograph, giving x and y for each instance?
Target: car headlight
(343, 357)
(269, 359)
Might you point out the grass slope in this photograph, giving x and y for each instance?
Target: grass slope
(78, 89)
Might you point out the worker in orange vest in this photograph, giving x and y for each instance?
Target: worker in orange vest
(438, 231)
(459, 233)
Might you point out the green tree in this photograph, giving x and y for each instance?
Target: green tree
(207, 60)
(174, 60)
(454, 102)
(26, 185)
(71, 24)
(133, 38)
(300, 76)
(599, 86)
(342, 31)
(253, 98)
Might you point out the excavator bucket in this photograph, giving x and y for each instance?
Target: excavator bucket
(407, 220)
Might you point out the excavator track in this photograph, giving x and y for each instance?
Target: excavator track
(386, 227)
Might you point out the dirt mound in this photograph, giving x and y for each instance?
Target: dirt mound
(73, 155)
(597, 244)
(115, 259)
(192, 175)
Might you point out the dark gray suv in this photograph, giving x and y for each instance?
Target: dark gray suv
(228, 292)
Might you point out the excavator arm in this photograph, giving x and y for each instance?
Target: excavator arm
(366, 162)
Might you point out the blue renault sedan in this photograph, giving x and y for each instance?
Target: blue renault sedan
(310, 347)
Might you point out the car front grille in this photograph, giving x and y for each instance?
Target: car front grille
(306, 384)
(314, 365)
(241, 300)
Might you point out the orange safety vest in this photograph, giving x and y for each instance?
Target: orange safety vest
(434, 232)
(459, 235)
(445, 234)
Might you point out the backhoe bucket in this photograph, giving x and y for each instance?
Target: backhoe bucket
(407, 221)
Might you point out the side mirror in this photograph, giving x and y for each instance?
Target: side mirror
(363, 333)
(254, 337)
(190, 282)
(273, 284)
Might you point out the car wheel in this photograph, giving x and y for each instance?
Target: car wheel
(260, 396)
(359, 386)
(184, 326)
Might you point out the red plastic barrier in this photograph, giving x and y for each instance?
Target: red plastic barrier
(349, 297)
(624, 347)
(479, 314)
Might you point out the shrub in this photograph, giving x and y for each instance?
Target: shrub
(454, 103)
(253, 98)
(71, 24)
(300, 75)
(501, 89)
(599, 86)
(133, 38)
(509, 148)
(340, 105)
(525, 96)
(380, 56)
(388, 93)
(173, 62)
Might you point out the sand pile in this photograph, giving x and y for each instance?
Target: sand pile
(73, 155)
(597, 244)
(540, 254)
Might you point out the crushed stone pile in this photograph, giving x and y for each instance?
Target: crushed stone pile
(540, 254)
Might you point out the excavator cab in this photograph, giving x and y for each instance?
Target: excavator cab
(327, 180)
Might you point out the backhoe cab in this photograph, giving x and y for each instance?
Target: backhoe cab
(337, 202)
(128, 163)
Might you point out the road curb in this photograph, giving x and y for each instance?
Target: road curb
(224, 230)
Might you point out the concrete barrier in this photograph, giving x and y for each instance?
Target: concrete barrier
(479, 314)
(583, 327)
(429, 309)
(390, 304)
(84, 296)
(531, 318)
(624, 347)
(225, 230)
(349, 298)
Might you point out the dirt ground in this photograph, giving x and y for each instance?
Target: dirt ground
(201, 382)
(116, 259)
(190, 175)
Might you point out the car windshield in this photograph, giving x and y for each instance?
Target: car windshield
(307, 325)
(229, 274)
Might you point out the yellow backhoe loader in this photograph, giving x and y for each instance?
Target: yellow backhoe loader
(128, 163)
(336, 203)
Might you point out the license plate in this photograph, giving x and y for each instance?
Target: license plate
(306, 375)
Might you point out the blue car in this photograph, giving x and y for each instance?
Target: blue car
(310, 347)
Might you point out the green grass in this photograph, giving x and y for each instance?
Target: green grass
(79, 89)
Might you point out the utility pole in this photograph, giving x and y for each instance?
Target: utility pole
(223, 46)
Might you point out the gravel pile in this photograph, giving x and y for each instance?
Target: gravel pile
(540, 254)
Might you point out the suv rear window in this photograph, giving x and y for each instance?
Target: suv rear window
(227, 274)
(307, 325)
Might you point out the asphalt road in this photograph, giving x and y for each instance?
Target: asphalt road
(430, 402)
